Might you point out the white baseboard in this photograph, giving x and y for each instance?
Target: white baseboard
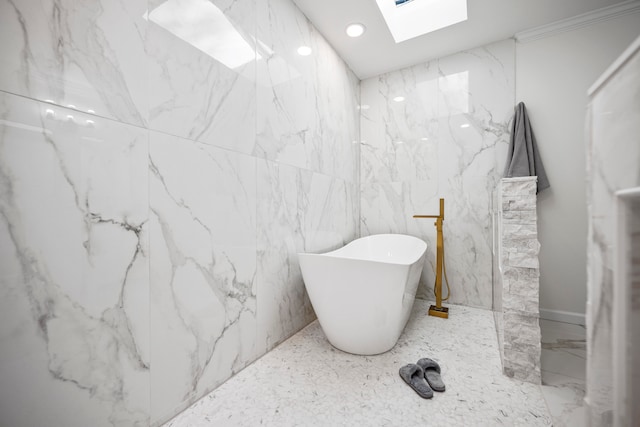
(563, 316)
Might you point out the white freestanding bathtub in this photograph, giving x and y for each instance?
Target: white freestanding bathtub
(363, 292)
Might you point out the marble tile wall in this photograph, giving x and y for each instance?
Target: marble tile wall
(74, 267)
(203, 268)
(154, 192)
(306, 139)
(613, 164)
(439, 129)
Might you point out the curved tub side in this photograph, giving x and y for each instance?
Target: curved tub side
(361, 305)
(413, 279)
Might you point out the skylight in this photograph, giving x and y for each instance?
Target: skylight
(407, 19)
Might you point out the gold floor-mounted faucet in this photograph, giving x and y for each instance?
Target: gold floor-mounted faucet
(438, 310)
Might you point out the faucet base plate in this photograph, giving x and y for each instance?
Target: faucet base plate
(442, 312)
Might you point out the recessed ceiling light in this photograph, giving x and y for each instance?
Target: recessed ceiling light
(399, 98)
(304, 51)
(466, 125)
(424, 139)
(355, 30)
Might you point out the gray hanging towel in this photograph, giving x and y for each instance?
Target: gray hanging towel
(523, 158)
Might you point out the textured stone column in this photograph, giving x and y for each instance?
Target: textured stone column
(520, 279)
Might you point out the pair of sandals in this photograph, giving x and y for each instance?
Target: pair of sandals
(423, 377)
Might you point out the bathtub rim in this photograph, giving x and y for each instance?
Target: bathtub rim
(332, 253)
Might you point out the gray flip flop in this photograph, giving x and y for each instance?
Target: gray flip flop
(414, 376)
(432, 373)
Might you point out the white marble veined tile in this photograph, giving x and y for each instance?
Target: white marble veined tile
(479, 82)
(554, 332)
(475, 105)
(74, 338)
(389, 208)
(564, 351)
(467, 234)
(382, 208)
(400, 125)
(563, 371)
(565, 400)
(476, 98)
(203, 267)
(299, 211)
(307, 105)
(202, 68)
(89, 56)
(451, 116)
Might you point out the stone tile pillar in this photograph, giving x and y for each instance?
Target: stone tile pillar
(519, 268)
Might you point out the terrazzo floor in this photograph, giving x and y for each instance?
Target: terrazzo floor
(306, 382)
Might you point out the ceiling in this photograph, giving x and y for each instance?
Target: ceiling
(488, 21)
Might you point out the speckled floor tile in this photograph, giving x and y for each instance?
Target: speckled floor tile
(306, 382)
